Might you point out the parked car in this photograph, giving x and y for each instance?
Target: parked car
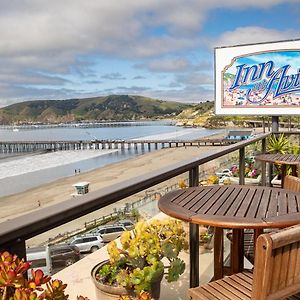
(110, 232)
(49, 258)
(88, 243)
(128, 224)
(64, 254)
(39, 258)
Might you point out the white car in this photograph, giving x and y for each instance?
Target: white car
(110, 232)
(88, 242)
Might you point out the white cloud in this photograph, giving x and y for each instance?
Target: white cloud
(248, 35)
(166, 65)
(196, 78)
(113, 76)
(189, 94)
(54, 36)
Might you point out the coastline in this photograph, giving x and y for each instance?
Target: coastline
(60, 190)
(30, 170)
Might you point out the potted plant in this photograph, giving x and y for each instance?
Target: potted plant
(136, 266)
(212, 179)
(205, 239)
(15, 285)
(278, 144)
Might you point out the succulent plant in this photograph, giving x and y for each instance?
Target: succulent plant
(278, 144)
(212, 179)
(15, 285)
(138, 262)
(182, 184)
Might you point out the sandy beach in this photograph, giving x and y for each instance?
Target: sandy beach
(62, 189)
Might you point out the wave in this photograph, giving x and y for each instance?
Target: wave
(47, 160)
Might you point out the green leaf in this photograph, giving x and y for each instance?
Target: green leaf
(168, 250)
(278, 144)
(177, 267)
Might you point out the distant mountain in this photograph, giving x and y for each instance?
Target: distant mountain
(114, 107)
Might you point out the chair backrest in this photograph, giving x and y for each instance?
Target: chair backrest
(292, 183)
(277, 265)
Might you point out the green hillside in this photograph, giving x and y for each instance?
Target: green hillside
(114, 107)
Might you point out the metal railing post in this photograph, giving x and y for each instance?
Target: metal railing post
(194, 236)
(194, 177)
(194, 255)
(242, 166)
(263, 166)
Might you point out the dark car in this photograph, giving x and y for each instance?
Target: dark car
(64, 254)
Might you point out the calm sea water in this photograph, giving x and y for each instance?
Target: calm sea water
(122, 132)
(155, 130)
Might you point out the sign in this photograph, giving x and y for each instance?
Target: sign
(258, 79)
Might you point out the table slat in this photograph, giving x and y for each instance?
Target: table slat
(282, 204)
(292, 203)
(273, 204)
(227, 194)
(181, 195)
(211, 199)
(255, 204)
(245, 204)
(237, 202)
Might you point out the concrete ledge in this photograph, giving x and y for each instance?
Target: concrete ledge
(77, 276)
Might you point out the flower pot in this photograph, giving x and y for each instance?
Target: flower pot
(108, 292)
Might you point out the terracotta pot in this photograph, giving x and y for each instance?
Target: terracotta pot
(108, 292)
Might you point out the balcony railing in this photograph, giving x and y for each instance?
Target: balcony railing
(15, 232)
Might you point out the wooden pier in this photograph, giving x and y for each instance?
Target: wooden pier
(35, 146)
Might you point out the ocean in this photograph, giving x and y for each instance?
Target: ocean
(23, 172)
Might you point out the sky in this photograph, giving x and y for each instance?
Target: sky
(164, 49)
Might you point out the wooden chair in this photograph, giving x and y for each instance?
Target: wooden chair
(291, 183)
(276, 272)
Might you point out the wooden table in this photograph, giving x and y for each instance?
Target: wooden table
(237, 207)
(285, 160)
